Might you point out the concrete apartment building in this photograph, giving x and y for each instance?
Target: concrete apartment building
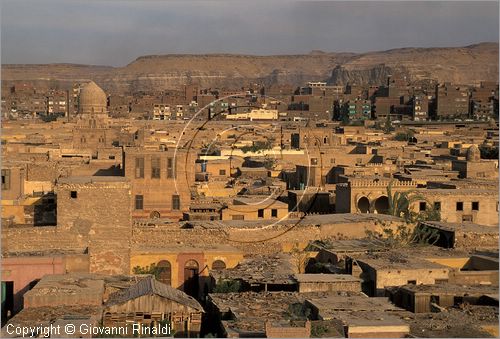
(452, 101)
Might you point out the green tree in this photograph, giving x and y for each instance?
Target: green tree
(404, 234)
(404, 136)
(388, 128)
(227, 286)
(151, 269)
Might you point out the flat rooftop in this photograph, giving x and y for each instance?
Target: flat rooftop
(146, 249)
(91, 179)
(260, 269)
(451, 289)
(465, 227)
(331, 303)
(249, 311)
(325, 278)
(308, 220)
(396, 260)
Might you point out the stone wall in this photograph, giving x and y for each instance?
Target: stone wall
(288, 332)
(265, 240)
(100, 209)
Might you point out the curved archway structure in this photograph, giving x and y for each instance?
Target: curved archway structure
(364, 205)
(382, 205)
(218, 265)
(165, 272)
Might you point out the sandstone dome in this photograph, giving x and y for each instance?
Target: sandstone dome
(473, 153)
(92, 99)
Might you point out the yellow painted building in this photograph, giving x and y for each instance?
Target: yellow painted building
(184, 267)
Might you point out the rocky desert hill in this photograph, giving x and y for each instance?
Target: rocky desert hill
(464, 65)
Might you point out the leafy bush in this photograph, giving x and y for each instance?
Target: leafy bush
(257, 146)
(151, 269)
(404, 136)
(227, 286)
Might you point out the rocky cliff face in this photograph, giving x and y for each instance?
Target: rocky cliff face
(465, 65)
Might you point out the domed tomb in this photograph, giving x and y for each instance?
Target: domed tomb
(92, 100)
(473, 154)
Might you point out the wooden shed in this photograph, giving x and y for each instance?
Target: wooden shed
(150, 302)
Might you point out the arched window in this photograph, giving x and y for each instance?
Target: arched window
(154, 215)
(364, 205)
(164, 272)
(218, 265)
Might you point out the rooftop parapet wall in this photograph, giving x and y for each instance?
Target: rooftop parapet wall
(381, 183)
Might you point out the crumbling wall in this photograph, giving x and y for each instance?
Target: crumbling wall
(475, 240)
(101, 210)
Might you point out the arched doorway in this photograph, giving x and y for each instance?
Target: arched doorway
(218, 265)
(191, 283)
(310, 266)
(382, 205)
(165, 272)
(364, 205)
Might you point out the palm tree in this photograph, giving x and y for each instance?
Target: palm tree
(400, 202)
(399, 206)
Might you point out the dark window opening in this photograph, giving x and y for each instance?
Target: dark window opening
(170, 168)
(475, 205)
(6, 179)
(139, 202)
(222, 172)
(73, 194)
(274, 213)
(422, 206)
(437, 206)
(155, 168)
(176, 202)
(412, 282)
(139, 167)
(260, 213)
(460, 206)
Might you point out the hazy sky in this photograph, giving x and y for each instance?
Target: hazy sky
(116, 32)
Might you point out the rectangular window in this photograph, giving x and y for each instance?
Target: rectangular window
(139, 202)
(412, 282)
(176, 202)
(274, 213)
(422, 206)
(170, 168)
(460, 206)
(139, 167)
(155, 168)
(5, 179)
(437, 205)
(222, 172)
(73, 194)
(260, 213)
(475, 205)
